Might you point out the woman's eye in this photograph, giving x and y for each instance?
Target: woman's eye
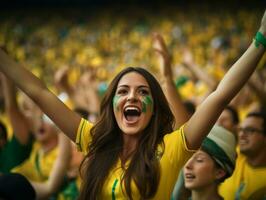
(144, 92)
(199, 160)
(122, 91)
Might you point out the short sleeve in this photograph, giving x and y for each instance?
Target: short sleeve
(83, 137)
(176, 148)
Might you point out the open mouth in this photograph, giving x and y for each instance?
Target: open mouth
(242, 142)
(132, 114)
(189, 176)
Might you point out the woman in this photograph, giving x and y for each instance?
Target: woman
(128, 151)
(210, 165)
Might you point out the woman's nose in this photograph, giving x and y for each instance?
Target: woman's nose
(132, 97)
(189, 164)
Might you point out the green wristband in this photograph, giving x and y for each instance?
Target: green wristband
(260, 39)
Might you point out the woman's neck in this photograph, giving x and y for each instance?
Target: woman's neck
(206, 194)
(130, 143)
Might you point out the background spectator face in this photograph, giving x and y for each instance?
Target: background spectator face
(46, 130)
(201, 171)
(251, 135)
(31, 111)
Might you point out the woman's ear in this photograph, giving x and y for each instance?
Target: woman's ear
(220, 173)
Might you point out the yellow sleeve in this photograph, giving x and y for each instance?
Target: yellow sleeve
(174, 157)
(176, 148)
(83, 137)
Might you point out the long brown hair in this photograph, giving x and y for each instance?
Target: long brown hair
(107, 143)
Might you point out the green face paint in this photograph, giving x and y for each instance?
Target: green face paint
(147, 101)
(115, 100)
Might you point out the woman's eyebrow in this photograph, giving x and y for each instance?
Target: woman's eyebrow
(144, 86)
(119, 86)
(140, 86)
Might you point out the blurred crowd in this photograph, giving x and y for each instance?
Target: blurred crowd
(77, 54)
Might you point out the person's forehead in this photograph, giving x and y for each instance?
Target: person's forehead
(252, 121)
(200, 152)
(133, 79)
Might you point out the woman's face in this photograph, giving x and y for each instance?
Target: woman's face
(133, 103)
(200, 171)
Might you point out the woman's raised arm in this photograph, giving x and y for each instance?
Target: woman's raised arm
(66, 119)
(207, 113)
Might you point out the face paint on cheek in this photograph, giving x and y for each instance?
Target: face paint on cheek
(147, 102)
(115, 102)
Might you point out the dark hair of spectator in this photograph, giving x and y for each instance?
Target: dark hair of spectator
(234, 114)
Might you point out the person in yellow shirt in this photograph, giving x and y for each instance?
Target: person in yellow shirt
(129, 147)
(171, 157)
(18, 186)
(17, 148)
(208, 167)
(39, 164)
(47, 164)
(248, 180)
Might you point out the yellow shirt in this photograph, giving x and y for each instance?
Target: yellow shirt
(246, 182)
(175, 155)
(38, 166)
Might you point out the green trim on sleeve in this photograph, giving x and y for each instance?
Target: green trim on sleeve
(184, 139)
(113, 189)
(38, 166)
(78, 142)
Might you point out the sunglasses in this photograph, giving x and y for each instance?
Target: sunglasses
(249, 130)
